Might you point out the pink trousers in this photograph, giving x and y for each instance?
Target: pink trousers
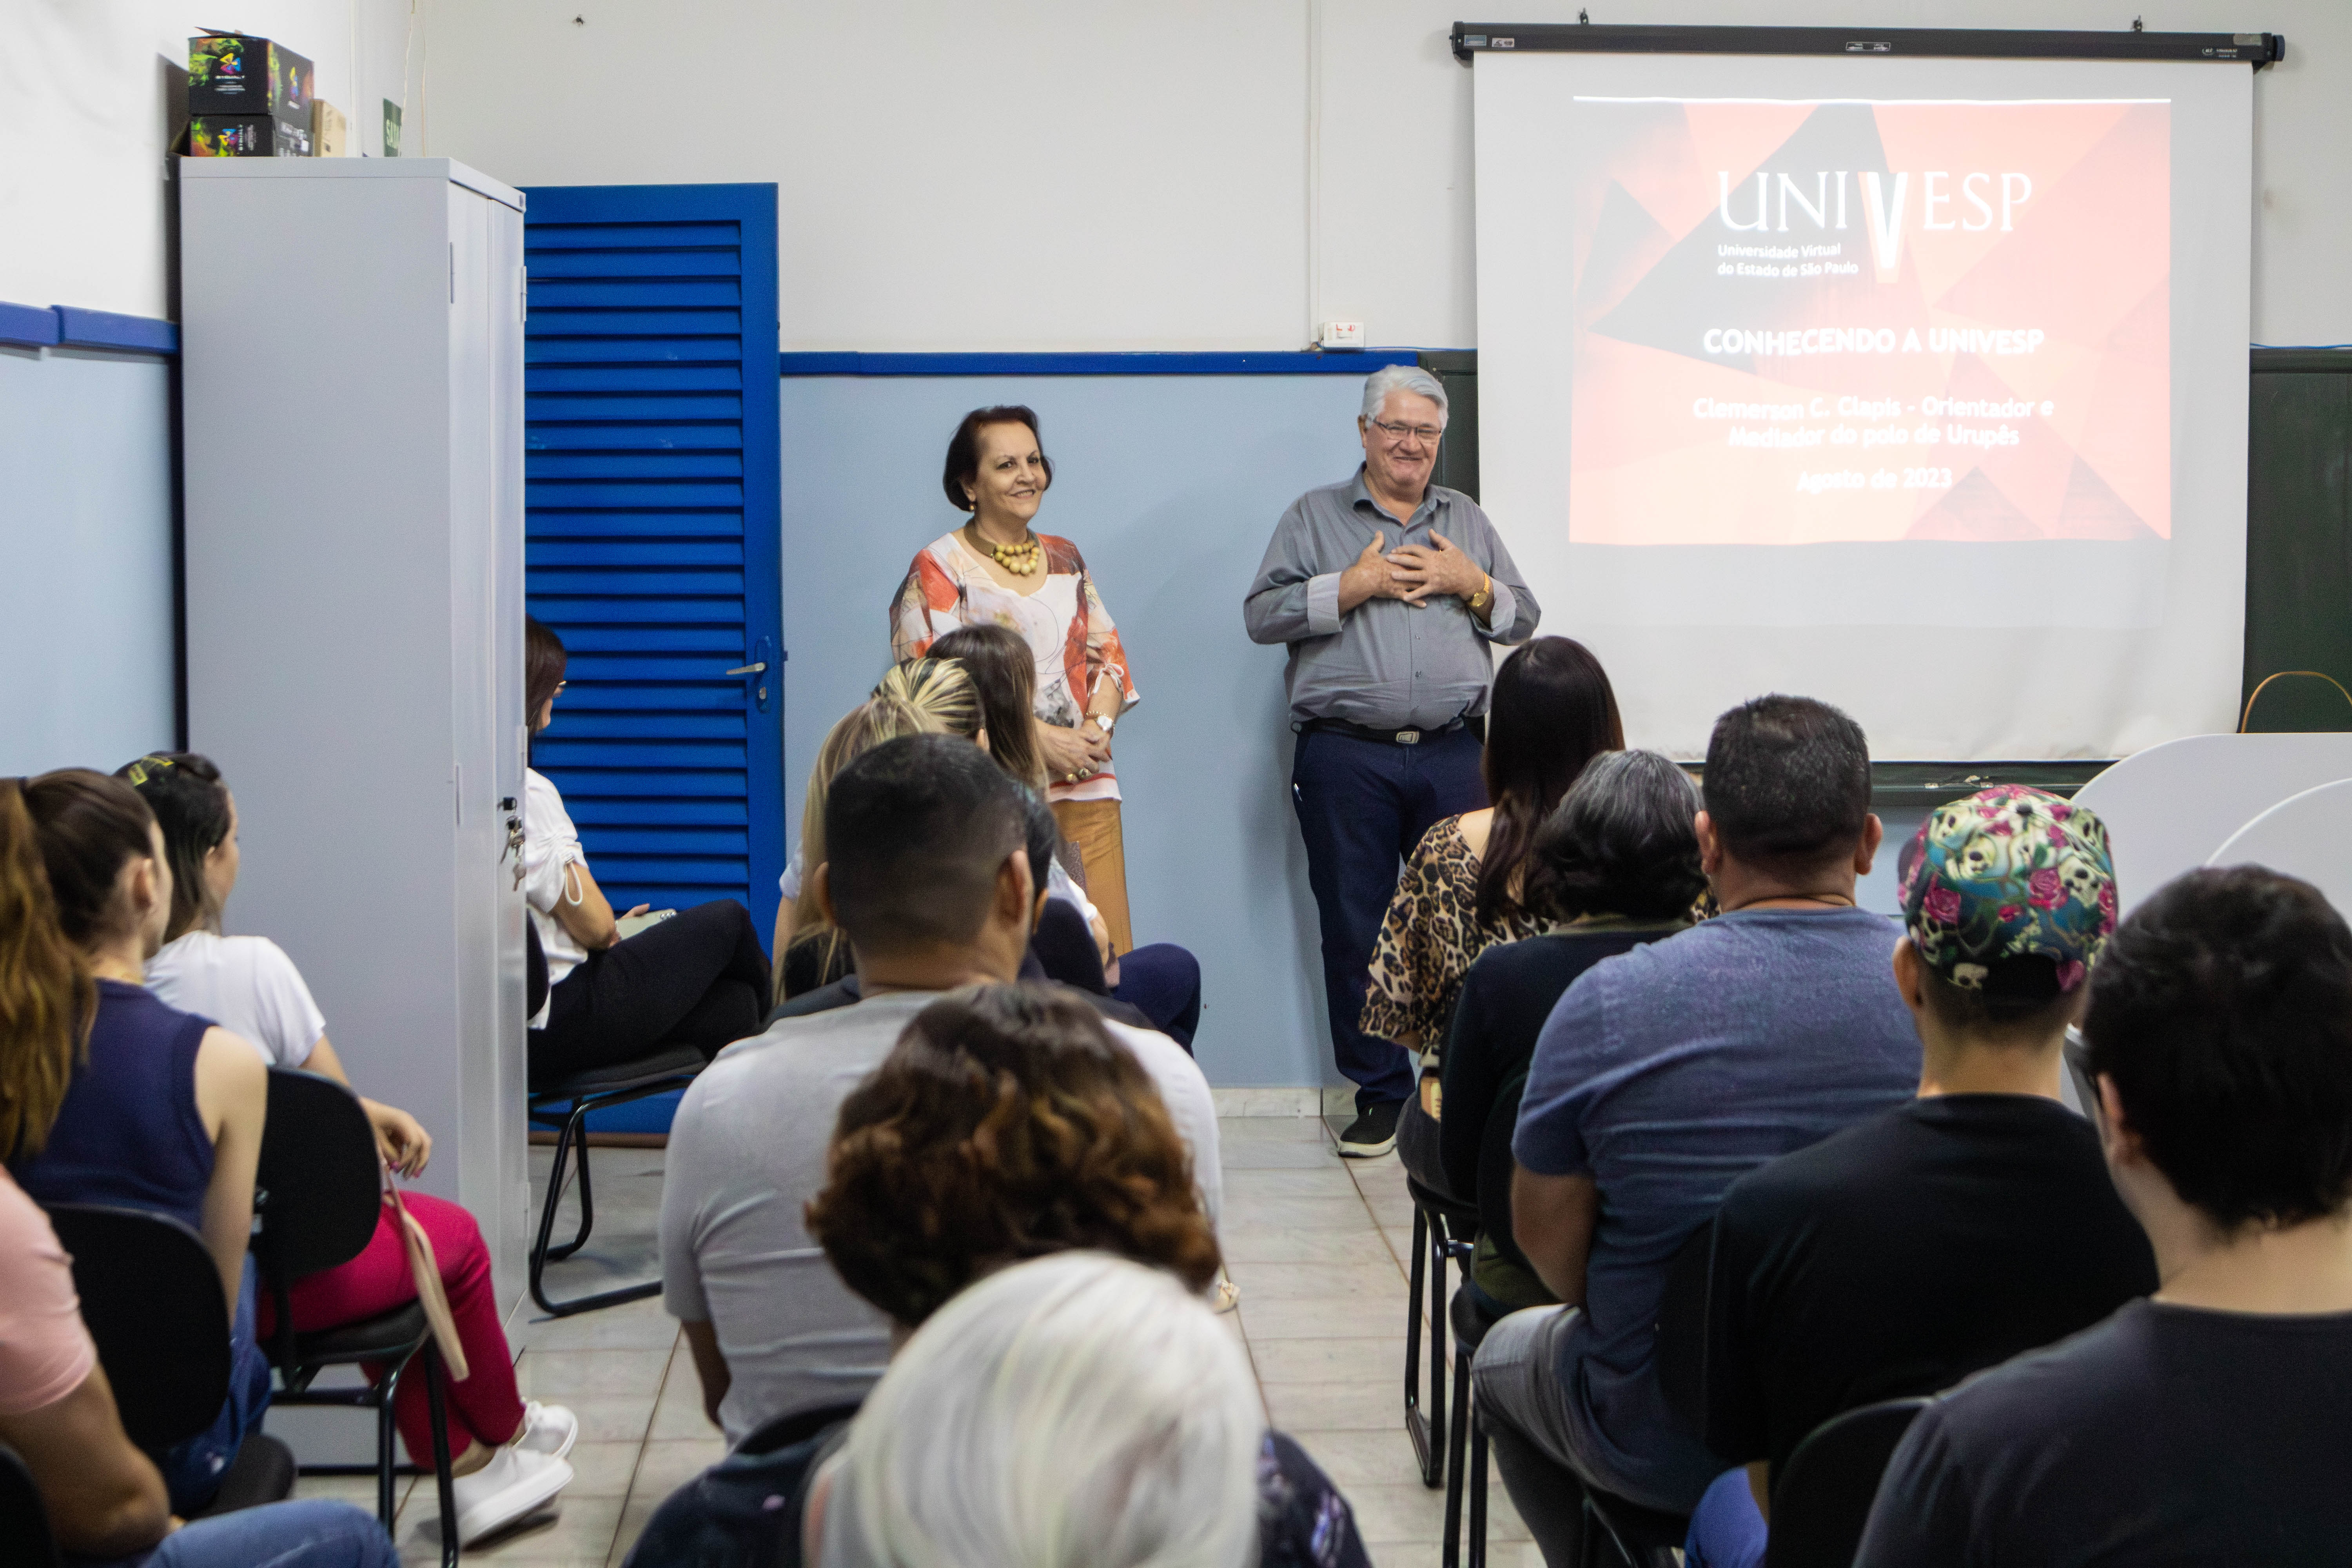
(486, 1406)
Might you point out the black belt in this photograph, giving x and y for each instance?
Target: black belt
(1392, 737)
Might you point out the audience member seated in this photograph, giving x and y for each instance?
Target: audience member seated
(1160, 980)
(506, 1453)
(2211, 1423)
(1004, 1125)
(1945, 1237)
(919, 697)
(150, 1108)
(1616, 865)
(105, 1499)
(1666, 1073)
(1079, 1411)
(698, 979)
(927, 872)
(1552, 712)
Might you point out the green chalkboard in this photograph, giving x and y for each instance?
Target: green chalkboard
(2299, 536)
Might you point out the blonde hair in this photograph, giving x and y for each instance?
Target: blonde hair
(941, 689)
(1077, 1411)
(883, 716)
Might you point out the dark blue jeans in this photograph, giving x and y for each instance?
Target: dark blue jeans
(1362, 806)
(312, 1533)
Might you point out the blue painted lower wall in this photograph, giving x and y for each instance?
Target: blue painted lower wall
(1171, 486)
(86, 607)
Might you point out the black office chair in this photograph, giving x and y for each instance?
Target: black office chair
(317, 1198)
(1437, 1223)
(1465, 1466)
(1640, 1536)
(25, 1538)
(1680, 1356)
(1821, 1500)
(563, 1105)
(150, 1297)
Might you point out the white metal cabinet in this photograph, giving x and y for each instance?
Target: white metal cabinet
(351, 356)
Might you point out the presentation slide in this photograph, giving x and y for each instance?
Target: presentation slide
(1785, 361)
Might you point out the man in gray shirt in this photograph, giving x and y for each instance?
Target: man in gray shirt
(926, 873)
(1387, 677)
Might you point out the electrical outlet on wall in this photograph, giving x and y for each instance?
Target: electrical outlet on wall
(1342, 335)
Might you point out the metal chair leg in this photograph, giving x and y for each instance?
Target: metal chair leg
(574, 1134)
(572, 1141)
(384, 1506)
(443, 1482)
(1450, 1554)
(1426, 1451)
(1477, 1488)
(1436, 1303)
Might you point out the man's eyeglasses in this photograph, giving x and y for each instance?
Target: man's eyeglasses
(1398, 434)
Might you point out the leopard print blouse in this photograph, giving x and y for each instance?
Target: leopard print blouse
(1429, 939)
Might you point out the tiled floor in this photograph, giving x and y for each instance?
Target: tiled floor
(1318, 1246)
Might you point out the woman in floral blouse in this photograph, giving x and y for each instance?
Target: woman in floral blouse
(1551, 713)
(995, 570)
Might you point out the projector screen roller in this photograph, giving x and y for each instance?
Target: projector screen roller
(1917, 385)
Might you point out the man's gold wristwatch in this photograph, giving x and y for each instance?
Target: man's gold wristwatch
(1484, 596)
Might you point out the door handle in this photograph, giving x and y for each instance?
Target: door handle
(749, 668)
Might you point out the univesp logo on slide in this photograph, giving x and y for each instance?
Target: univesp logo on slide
(1805, 322)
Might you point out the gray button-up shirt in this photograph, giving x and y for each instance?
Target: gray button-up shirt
(1385, 663)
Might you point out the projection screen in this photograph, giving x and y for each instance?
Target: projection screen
(1917, 385)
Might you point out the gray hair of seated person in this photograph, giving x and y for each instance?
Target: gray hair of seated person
(1402, 378)
(1077, 1411)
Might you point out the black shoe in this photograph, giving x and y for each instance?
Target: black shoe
(1372, 1133)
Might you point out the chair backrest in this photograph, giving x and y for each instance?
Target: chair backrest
(1821, 1500)
(24, 1537)
(534, 969)
(150, 1297)
(1494, 1163)
(1066, 948)
(320, 1184)
(1681, 1353)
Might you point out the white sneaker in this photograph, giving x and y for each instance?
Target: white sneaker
(548, 1429)
(514, 1483)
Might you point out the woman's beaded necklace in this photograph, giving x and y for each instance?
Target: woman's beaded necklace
(1021, 559)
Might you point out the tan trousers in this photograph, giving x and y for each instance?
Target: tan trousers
(1093, 826)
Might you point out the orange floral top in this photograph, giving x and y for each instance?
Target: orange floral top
(1064, 623)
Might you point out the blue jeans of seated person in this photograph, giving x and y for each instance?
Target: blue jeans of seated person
(1362, 807)
(1727, 1532)
(193, 1468)
(1162, 982)
(311, 1533)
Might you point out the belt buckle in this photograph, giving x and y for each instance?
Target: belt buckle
(1408, 737)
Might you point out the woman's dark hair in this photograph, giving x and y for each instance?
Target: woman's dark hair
(191, 803)
(2223, 1009)
(964, 449)
(1622, 841)
(543, 663)
(1005, 1124)
(1552, 712)
(64, 837)
(1004, 672)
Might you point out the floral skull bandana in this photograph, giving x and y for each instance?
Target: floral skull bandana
(2009, 873)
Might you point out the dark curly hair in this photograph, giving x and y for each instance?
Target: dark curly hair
(1005, 1124)
(1622, 841)
(191, 803)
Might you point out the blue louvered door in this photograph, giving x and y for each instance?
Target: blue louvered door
(651, 530)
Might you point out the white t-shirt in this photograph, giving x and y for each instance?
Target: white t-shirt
(549, 843)
(247, 986)
(746, 1152)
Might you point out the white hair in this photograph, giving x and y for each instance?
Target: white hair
(1077, 1411)
(1401, 378)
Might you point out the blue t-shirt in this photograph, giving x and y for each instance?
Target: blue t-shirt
(1666, 1074)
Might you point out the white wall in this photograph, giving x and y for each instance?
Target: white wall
(91, 94)
(1112, 175)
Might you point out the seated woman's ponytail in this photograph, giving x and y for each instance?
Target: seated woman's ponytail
(47, 999)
